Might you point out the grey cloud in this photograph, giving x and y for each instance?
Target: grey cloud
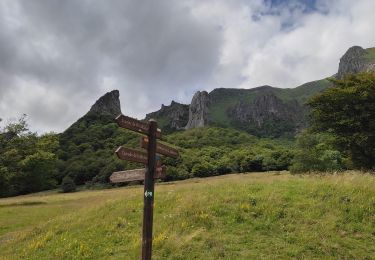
(57, 57)
(147, 48)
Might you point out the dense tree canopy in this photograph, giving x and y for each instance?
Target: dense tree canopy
(28, 162)
(347, 111)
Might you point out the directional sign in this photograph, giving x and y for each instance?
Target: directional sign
(135, 125)
(132, 155)
(160, 148)
(153, 163)
(136, 175)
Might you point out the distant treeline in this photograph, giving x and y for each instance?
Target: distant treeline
(341, 136)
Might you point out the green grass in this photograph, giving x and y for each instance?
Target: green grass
(240, 216)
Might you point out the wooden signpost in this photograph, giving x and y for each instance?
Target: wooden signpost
(153, 170)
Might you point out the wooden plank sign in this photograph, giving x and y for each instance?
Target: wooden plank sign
(135, 125)
(131, 155)
(160, 148)
(136, 175)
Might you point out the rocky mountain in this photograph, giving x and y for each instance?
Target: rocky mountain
(198, 110)
(86, 147)
(108, 104)
(355, 60)
(263, 111)
(172, 117)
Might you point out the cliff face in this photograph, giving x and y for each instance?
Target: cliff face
(355, 60)
(198, 110)
(267, 115)
(172, 117)
(107, 105)
(263, 108)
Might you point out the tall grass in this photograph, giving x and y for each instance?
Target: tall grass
(243, 216)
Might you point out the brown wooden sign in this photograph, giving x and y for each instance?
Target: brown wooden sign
(160, 148)
(135, 125)
(131, 155)
(136, 175)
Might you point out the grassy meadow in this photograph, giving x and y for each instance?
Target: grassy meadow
(271, 215)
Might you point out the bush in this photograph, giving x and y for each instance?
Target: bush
(203, 169)
(316, 153)
(68, 184)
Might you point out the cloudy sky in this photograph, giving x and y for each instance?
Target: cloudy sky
(57, 57)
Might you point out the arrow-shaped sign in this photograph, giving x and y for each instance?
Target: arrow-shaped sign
(160, 148)
(135, 125)
(136, 175)
(133, 155)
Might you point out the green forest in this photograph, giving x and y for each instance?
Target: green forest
(340, 136)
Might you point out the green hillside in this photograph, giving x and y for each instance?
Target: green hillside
(370, 56)
(223, 101)
(242, 216)
(87, 151)
(304, 92)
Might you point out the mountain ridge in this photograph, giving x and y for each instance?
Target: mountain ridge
(282, 108)
(256, 110)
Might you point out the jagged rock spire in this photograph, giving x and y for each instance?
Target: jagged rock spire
(198, 110)
(108, 104)
(354, 61)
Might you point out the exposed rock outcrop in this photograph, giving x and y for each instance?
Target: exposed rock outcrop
(175, 116)
(354, 61)
(198, 110)
(108, 104)
(267, 115)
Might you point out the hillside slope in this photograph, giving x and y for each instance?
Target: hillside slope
(242, 216)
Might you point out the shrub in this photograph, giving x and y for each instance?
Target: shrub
(68, 184)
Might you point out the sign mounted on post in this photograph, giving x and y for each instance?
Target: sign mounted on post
(136, 175)
(131, 155)
(160, 148)
(153, 170)
(135, 125)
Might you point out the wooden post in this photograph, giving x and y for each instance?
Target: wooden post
(148, 207)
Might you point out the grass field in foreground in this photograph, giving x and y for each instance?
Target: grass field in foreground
(240, 216)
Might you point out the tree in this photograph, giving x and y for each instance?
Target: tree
(315, 152)
(347, 111)
(27, 161)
